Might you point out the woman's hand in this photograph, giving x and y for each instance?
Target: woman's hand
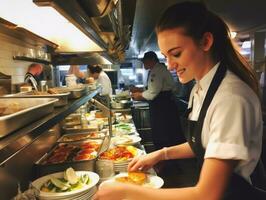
(145, 162)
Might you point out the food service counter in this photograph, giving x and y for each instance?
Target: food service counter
(20, 149)
(18, 140)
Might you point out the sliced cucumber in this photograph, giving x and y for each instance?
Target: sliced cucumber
(61, 185)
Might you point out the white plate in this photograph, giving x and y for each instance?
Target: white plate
(125, 140)
(94, 179)
(152, 182)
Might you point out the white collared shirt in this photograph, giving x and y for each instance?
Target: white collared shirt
(106, 84)
(233, 124)
(160, 79)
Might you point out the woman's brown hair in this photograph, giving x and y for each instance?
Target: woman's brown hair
(196, 20)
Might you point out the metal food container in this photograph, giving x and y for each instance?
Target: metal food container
(62, 98)
(41, 167)
(74, 137)
(27, 111)
(75, 92)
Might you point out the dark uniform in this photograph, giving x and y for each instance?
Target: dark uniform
(165, 122)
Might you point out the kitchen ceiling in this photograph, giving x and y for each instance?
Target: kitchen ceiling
(242, 16)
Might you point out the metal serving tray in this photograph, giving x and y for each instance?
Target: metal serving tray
(74, 137)
(75, 92)
(42, 168)
(32, 109)
(62, 98)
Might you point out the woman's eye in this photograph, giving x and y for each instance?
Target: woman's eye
(177, 54)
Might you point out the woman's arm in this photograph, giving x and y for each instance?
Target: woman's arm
(214, 178)
(178, 152)
(147, 161)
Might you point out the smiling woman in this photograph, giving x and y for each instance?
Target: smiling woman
(196, 43)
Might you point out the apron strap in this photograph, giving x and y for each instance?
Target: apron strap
(216, 81)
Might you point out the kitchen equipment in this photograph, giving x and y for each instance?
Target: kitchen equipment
(27, 112)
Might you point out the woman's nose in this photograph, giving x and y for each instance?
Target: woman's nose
(171, 65)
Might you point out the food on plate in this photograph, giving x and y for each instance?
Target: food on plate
(123, 128)
(138, 178)
(122, 139)
(119, 153)
(69, 182)
(71, 175)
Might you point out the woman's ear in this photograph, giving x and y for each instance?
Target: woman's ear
(207, 41)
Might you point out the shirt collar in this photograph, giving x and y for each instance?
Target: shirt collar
(204, 83)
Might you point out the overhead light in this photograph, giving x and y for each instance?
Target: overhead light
(233, 34)
(47, 23)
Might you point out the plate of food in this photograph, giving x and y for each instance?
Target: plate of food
(125, 140)
(65, 184)
(124, 128)
(139, 178)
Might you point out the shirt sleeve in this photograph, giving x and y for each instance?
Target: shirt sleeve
(231, 126)
(155, 85)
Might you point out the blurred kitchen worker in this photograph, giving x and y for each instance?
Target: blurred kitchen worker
(74, 69)
(34, 75)
(102, 79)
(165, 122)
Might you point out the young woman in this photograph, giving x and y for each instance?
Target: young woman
(224, 120)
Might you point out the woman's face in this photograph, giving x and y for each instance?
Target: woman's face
(183, 54)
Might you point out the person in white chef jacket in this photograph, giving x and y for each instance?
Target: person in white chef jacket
(102, 79)
(165, 122)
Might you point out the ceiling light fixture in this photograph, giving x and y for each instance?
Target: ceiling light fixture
(47, 23)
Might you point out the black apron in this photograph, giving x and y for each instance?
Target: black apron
(238, 187)
(165, 121)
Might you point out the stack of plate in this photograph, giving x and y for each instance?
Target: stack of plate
(84, 193)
